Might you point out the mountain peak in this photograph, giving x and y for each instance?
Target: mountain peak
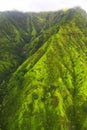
(43, 70)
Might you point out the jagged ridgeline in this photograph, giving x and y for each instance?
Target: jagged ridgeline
(43, 70)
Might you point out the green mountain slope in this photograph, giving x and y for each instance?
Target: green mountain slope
(43, 86)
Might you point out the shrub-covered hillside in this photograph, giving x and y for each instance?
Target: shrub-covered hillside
(43, 70)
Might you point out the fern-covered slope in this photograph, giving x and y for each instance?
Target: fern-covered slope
(48, 90)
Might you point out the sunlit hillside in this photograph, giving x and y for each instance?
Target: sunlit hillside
(43, 70)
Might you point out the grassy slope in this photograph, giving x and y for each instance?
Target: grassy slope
(48, 91)
(14, 35)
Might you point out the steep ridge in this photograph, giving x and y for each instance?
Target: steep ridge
(47, 89)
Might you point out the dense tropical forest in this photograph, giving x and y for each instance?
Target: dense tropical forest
(43, 70)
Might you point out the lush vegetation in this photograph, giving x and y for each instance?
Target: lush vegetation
(43, 70)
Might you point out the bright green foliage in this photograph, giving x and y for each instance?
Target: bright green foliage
(44, 71)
